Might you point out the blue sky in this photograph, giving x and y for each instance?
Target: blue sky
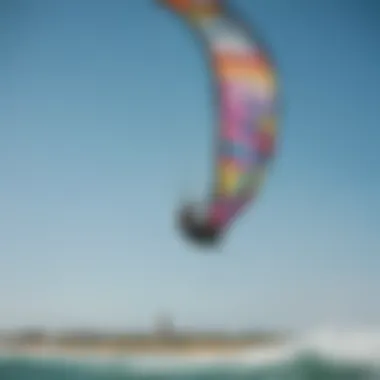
(106, 120)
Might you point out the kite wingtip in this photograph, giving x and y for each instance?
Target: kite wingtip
(187, 6)
(198, 231)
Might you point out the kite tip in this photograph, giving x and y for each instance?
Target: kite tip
(187, 6)
(198, 231)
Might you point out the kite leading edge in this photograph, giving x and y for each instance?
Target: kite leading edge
(246, 93)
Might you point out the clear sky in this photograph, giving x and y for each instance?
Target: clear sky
(105, 119)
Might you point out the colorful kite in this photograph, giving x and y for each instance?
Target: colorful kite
(246, 93)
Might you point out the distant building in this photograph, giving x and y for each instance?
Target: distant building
(29, 336)
(164, 326)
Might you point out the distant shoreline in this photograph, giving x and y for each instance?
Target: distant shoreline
(110, 351)
(175, 345)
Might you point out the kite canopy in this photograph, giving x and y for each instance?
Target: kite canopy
(245, 89)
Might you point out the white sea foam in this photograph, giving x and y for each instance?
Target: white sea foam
(344, 345)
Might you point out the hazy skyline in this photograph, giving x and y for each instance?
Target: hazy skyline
(106, 117)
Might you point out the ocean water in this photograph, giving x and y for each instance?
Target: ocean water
(325, 355)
